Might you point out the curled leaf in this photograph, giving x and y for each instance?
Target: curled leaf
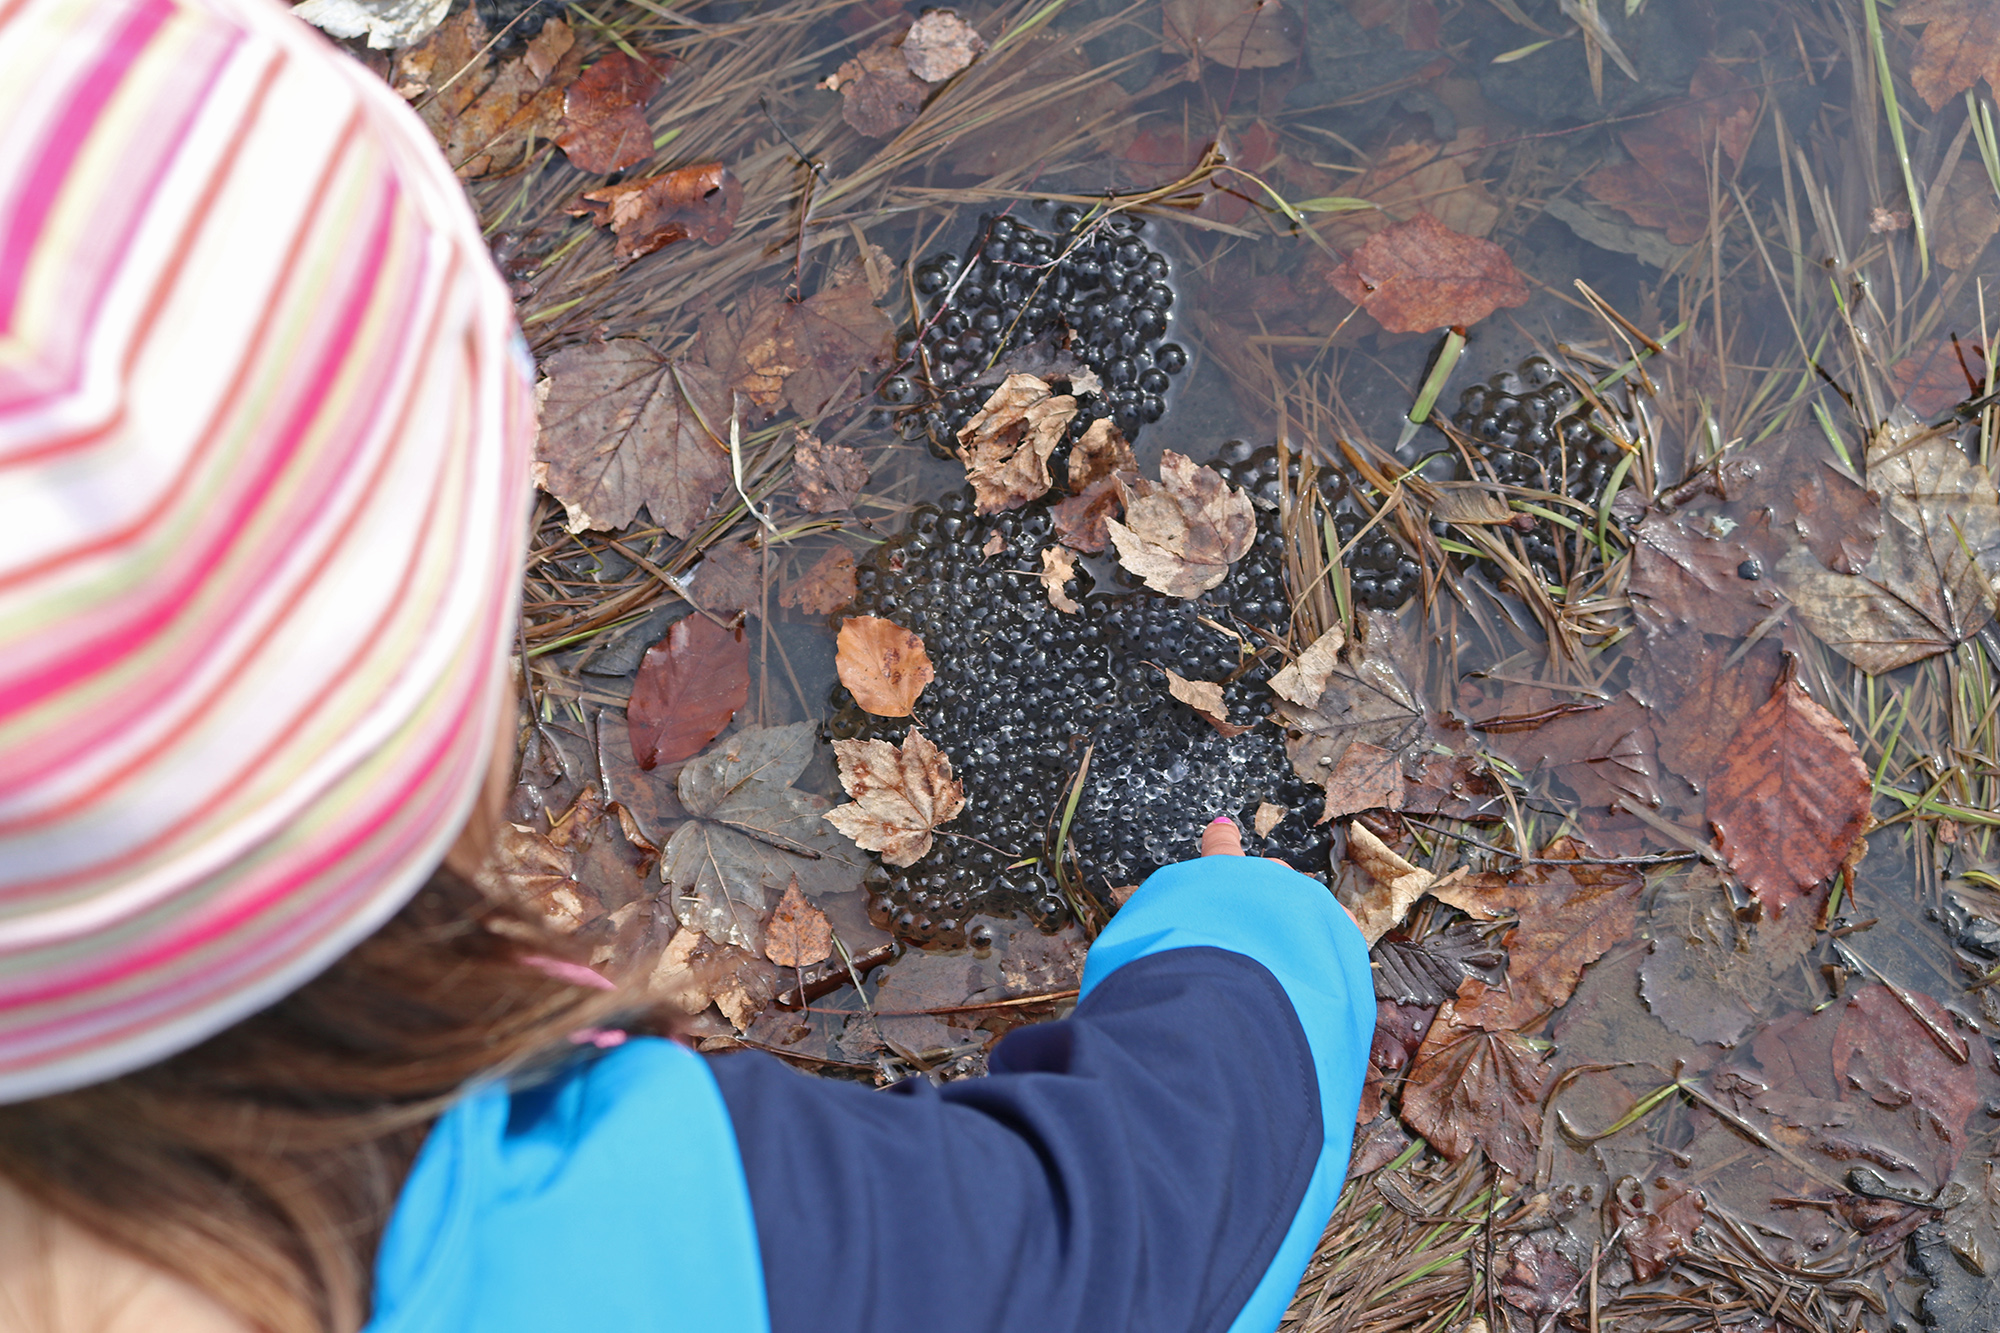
(901, 795)
(1058, 568)
(698, 201)
(1007, 443)
(1304, 680)
(1205, 697)
(1181, 534)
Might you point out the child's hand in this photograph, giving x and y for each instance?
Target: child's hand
(1222, 838)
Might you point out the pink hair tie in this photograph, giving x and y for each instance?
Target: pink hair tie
(576, 974)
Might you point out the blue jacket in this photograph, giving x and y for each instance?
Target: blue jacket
(1162, 1160)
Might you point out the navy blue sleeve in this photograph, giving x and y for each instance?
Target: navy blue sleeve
(1137, 1166)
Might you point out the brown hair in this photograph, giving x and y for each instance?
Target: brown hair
(263, 1164)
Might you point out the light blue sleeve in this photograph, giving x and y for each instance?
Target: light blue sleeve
(1265, 910)
(610, 1200)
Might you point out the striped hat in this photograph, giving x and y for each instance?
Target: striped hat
(264, 435)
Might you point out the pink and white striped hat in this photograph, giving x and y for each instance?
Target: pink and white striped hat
(265, 426)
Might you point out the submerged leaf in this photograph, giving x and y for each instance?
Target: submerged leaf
(829, 476)
(1471, 1089)
(826, 587)
(1182, 534)
(689, 686)
(621, 427)
(883, 665)
(1421, 275)
(1568, 916)
(1367, 698)
(487, 118)
(901, 795)
(1243, 34)
(878, 93)
(1790, 797)
(604, 125)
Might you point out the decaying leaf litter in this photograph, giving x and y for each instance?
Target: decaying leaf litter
(1668, 792)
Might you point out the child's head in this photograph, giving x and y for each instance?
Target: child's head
(264, 437)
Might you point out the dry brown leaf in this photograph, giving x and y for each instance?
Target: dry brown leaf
(1790, 797)
(1099, 454)
(798, 935)
(486, 119)
(1006, 445)
(1242, 34)
(1421, 275)
(1205, 697)
(1960, 46)
(1303, 681)
(993, 545)
(1268, 817)
(1367, 777)
(901, 795)
(699, 201)
(695, 972)
(883, 665)
(1397, 883)
(829, 476)
(878, 93)
(1058, 568)
(1412, 178)
(940, 44)
(826, 587)
(621, 426)
(604, 125)
(1182, 534)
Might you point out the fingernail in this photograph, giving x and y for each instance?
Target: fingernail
(1221, 819)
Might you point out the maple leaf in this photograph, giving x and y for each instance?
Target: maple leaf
(689, 686)
(750, 835)
(1242, 34)
(829, 476)
(1367, 698)
(1790, 797)
(1367, 777)
(826, 587)
(1960, 46)
(1927, 584)
(604, 125)
(486, 119)
(622, 426)
(1686, 575)
(1568, 916)
(1472, 1089)
(878, 93)
(883, 665)
(901, 795)
(649, 214)
(1182, 534)
(940, 44)
(1421, 275)
(1006, 445)
(798, 935)
(1058, 568)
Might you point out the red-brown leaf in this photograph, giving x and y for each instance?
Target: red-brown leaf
(883, 665)
(1790, 797)
(698, 201)
(878, 93)
(1569, 917)
(1421, 275)
(826, 587)
(689, 686)
(1471, 1089)
(604, 114)
(1960, 46)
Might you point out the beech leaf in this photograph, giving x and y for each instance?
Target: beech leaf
(621, 427)
(901, 795)
(689, 686)
(604, 125)
(883, 665)
(1790, 797)
(1182, 533)
(1421, 275)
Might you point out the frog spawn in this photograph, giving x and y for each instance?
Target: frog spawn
(1022, 689)
(1529, 427)
(1081, 294)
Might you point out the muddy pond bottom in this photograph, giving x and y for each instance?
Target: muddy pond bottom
(1023, 690)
